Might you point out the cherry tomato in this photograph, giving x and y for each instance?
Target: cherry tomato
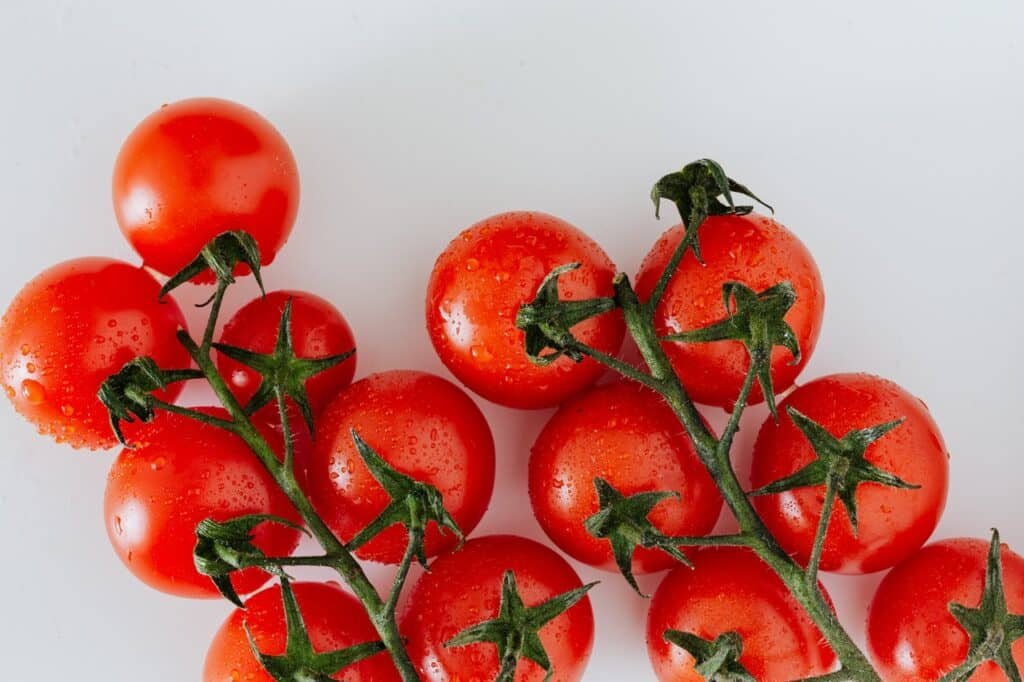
(334, 620)
(423, 426)
(70, 328)
(318, 330)
(464, 588)
(628, 436)
(892, 522)
(911, 633)
(179, 473)
(753, 250)
(729, 589)
(199, 167)
(475, 291)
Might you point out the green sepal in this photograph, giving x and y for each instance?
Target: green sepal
(547, 321)
(127, 393)
(516, 630)
(623, 522)
(220, 255)
(300, 662)
(414, 504)
(717, 660)
(840, 460)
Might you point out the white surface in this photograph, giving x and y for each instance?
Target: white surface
(887, 136)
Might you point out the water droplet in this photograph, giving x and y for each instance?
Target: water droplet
(472, 264)
(118, 525)
(67, 410)
(31, 367)
(481, 353)
(33, 391)
(158, 463)
(25, 349)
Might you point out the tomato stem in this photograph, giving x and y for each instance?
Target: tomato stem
(819, 536)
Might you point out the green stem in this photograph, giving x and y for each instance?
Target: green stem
(198, 416)
(731, 540)
(819, 536)
(211, 320)
(415, 536)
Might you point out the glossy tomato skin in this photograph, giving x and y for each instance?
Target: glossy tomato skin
(179, 473)
(425, 427)
(911, 633)
(334, 620)
(475, 291)
(893, 522)
(70, 328)
(464, 588)
(751, 249)
(318, 330)
(731, 589)
(627, 435)
(199, 167)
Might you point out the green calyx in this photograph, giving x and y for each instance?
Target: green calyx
(716, 660)
(220, 255)
(623, 522)
(516, 629)
(991, 627)
(127, 395)
(414, 504)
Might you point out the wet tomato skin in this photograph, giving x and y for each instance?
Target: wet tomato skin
(477, 287)
(71, 327)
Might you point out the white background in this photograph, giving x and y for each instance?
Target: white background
(888, 136)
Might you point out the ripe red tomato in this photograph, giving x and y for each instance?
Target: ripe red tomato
(893, 522)
(753, 250)
(179, 473)
(911, 633)
(731, 589)
(423, 426)
(334, 620)
(475, 291)
(70, 328)
(464, 588)
(318, 330)
(628, 436)
(199, 167)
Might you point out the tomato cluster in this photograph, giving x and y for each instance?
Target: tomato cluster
(199, 168)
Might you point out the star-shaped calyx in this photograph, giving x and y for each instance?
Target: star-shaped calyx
(516, 629)
(282, 371)
(718, 659)
(127, 394)
(839, 463)
(991, 627)
(221, 255)
(623, 522)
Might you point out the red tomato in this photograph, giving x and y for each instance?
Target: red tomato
(179, 473)
(318, 330)
(423, 426)
(628, 436)
(199, 167)
(334, 620)
(475, 291)
(911, 633)
(464, 588)
(731, 589)
(753, 250)
(893, 522)
(70, 328)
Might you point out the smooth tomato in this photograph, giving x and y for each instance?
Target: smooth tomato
(731, 589)
(199, 167)
(475, 291)
(334, 620)
(628, 436)
(318, 330)
(178, 473)
(751, 249)
(423, 426)
(464, 588)
(911, 633)
(893, 522)
(70, 328)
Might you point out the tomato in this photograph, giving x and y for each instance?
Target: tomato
(70, 328)
(423, 426)
(199, 167)
(334, 620)
(731, 589)
(475, 291)
(179, 473)
(893, 522)
(464, 588)
(627, 435)
(911, 633)
(318, 330)
(753, 250)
